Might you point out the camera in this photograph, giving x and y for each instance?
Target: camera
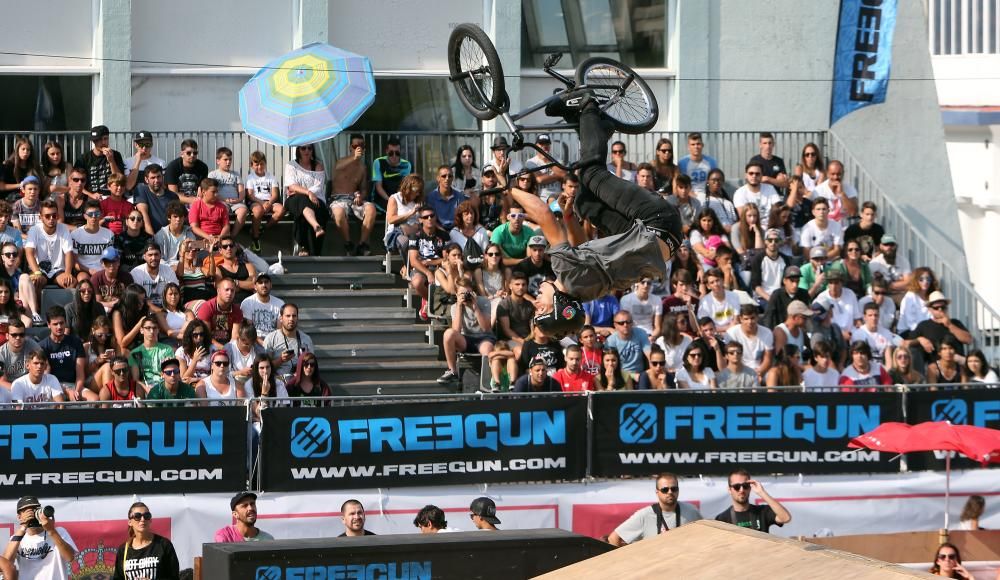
(467, 297)
(49, 512)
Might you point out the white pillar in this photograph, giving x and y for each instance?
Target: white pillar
(113, 84)
(313, 24)
(502, 22)
(692, 54)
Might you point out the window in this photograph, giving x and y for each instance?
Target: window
(415, 104)
(41, 103)
(632, 31)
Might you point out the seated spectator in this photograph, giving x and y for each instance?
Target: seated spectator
(719, 304)
(465, 169)
(841, 195)
(781, 220)
(152, 200)
(193, 352)
(632, 343)
(777, 306)
(402, 214)
(152, 276)
(90, 241)
(287, 343)
(786, 370)
(611, 376)
(821, 373)
(886, 307)
(592, 351)
(243, 351)
(100, 349)
(757, 341)
(171, 387)
(231, 264)
(694, 374)
(49, 255)
(208, 216)
(707, 236)
(515, 312)
(469, 332)
(307, 382)
(264, 382)
(647, 310)
(685, 296)
(21, 163)
(222, 314)
(814, 272)
(664, 166)
(512, 236)
(122, 387)
(810, 168)
(866, 232)
(350, 198)
(931, 332)
(718, 200)
(9, 307)
(696, 165)
(573, 377)
(536, 379)
(772, 166)
(67, 357)
(947, 369)
(115, 207)
(37, 386)
(263, 198)
(894, 267)
(687, 205)
(184, 174)
(881, 341)
(444, 199)
(685, 260)
(131, 243)
(538, 344)
(111, 281)
(503, 366)
(656, 377)
(902, 372)
(148, 355)
(491, 278)
(231, 191)
(793, 330)
(914, 308)
(174, 314)
(822, 232)
(822, 327)
(170, 236)
(863, 372)
(261, 309)
(619, 166)
(842, 300)
(731, 280)
(425, 254)
(14, 354)
(712, 341)
(767, 268)
(756, 193)
(536, 266)
(305, 200)
(674, 341)
(736, 375)
(644, 177)
(197, 282)
(467, 227)
(747, 235)
(9, 233)
(451, 270)
(220, 386)
(491, 208)
(27, 209)
(600, 313)
(857, 276)
(977, 368)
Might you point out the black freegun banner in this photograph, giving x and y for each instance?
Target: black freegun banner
(979, 407)
(487, 441)
(81, 452)
(712, 433)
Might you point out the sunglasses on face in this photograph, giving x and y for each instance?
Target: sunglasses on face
(172, 372)
(665, 150)
(17, 335)
(392, 154)
(221, 363)
(515, 216)
(740, 486)
(9, 255)
(623, 322)
(120, 371)
(135, 218)
(670, 489)
(657, 363)
(309, 365)
(952, 557)
(76, 179)
(694, 355)
(492, 253)
(427, 217)
(139, 516)
(93, 214)
(49, 216)
(192, 153)
(226, 246)
(810, 154)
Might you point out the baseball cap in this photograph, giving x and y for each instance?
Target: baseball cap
(817, 252)
(537, 241)
(774, 233)
(499, 142)
(29, 179)
(262, 275)
(110, 254)
(538, 360)
(792, 272)
(799, 308)
(240, 497)
(543, 138)
(98, 131)
(143, 136)
(489, 169)
(888, 240)
(485, 508)
(30, 501)
(834, 275)
(170, 361)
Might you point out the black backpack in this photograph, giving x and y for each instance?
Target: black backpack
(472, 254)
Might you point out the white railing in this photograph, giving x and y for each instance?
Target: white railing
(963, 26)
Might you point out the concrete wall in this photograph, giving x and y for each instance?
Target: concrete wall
(63, 27)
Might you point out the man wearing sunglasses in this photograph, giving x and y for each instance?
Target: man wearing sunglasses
(100, 162)
(90, 241)
(48, 252)
(172, 387)
(135, 166)
(388, 172)
(184, 174)
(664, 515)
(513, 236)
(750, 515)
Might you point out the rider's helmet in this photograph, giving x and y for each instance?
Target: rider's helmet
(566, 316)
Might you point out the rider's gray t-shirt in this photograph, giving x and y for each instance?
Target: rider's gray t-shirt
(598, 267)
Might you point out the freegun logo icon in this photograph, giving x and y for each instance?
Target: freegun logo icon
(316, 437)
(373, 571)
(638, 423)
(956, 411)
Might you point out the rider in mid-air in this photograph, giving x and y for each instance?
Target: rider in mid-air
(641, 229)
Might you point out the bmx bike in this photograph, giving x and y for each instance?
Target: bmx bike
(620, 93)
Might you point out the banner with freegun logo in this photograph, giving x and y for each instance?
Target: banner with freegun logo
(980, 407)
(691, 433)
(863, 56)
(80, 452)
(410, 444)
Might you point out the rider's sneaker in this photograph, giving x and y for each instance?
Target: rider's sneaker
(568, 106)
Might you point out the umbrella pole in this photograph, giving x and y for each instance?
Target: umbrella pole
(947, 488)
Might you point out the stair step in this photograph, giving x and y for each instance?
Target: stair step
(389, 315)
(331, 264)
(336, 280)
(365, 298)
(404, 387)
(386, 371)
(346, 353)
(385, 334)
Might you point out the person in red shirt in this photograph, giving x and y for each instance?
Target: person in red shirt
(209, 218)
(115, 207)
(573, 377)
(222, 314)
(863, 374)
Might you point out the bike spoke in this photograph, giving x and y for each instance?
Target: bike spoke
(629, 105)
(473, 61)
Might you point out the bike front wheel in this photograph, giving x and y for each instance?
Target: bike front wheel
(476, 71)
(632, 109)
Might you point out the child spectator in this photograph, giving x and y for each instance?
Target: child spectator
(27, 209)
(263, 196)
(115, 207)
(231, 191)
(209, 218)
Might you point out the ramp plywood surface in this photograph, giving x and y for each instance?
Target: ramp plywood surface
(710, 549)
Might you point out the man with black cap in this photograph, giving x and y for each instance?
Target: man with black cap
(484, 514)
(135, 166)
(535, 265)
(100, 162)
(244, 508)
(549, 179)
(172, 387)
(38, 547)
(536, 380)
(777, 306)
(501, 149)
(490, 205)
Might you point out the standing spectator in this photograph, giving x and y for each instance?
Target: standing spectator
(209, 218)
(100, 162)
(352, 514)
(137, 166)
(821, 374)
(67, 357)
(90, 241)
(978, 370)
(148, 356)
(777, 305)
(144, 554)
(465, 170)
(536, 379)
(647, 310)
(172, 387)
(857, 275)
(132, 241)
(619, 166)
(388, 172)
(185, 174)
(49, 255)
(469, 332)
(736, 375)
(822, 232)
(37, 386)
(27, 209)
(37, 546)
(633, 344)
(611, 377)
(914, 308)
(153, 200)
(931, 332)
(152, 276)
(664, 515)
(484, 514)
(21, 163)
(882, 342)
(863, 372)
(513, 236)
(767, 267)
(866, 232)
(14, 353)
(287, 343)
(757, 341)
(573, 377)
(842, 300)
(752, 515)
(231, 191)
(902, 372)
(263, 197)
(786, 370)
(810, 167)
(756, 192)
(537, 267)
(222, 314)
(655, 377)
(695, 373)
(261, 309)
(430, 520)
(775, 173)
(719, 304)
(244, 509)
(946, 369)
(305, 200)
(842, 196)
(894, 267)
(308, 382)
(696, 165)
(171, 236)
(350, 197)
(664, 168)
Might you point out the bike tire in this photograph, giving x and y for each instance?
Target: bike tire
(469, 49)
(636, 112)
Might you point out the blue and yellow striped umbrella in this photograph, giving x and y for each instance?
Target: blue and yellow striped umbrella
(307, 95)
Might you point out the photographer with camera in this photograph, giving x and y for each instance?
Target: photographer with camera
(470, 329)
(38, 547)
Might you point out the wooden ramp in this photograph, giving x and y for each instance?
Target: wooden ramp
(711, 549)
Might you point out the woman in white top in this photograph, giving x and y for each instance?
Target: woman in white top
(219, 386)
(674, 342)
(695, 374)
(467, 226)
(718, 200)
(747, 233)
(242, 352)
(491, 278)
(401, 220)
(913, 309)
(305, 195)
(706, 236)
(264, 383)
(177, 317)
(194, 351)
(810, 167)
(977, 368)
(821, 374)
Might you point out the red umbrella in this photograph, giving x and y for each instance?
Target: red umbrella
(980, 444)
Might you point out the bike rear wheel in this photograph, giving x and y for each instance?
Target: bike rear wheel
(476, 71)
(632, 110)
